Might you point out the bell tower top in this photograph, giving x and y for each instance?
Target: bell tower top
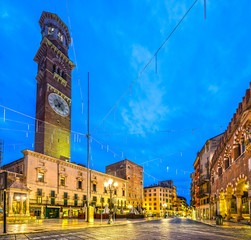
(54, 29)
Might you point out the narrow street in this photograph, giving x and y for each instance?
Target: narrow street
(174, 228)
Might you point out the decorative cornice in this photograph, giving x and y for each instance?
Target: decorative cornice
(47, 42)
(72, 165)
(59, 79)
(49, 87)
(56, 50)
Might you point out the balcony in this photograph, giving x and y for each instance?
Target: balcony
(203, 179)
(203, 192)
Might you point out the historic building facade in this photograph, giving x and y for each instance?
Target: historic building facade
(133, 173)
(202, 167)
(43, 186)
(231, 166)
(53, 105)
(160, 199)
(44, 183)
(196, 203)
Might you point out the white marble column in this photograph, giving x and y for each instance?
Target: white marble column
(239, 206)
(27, 206)
(10, 211)
(228, 199)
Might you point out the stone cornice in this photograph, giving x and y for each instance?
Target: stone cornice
(47, 42)
(72, 165)
(50, 87)
(60, 79)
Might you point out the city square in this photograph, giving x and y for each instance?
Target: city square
(125, 120)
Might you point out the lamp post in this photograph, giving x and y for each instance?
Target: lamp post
(110, 187)
(164, 206)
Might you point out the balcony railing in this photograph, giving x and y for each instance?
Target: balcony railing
(204, 192)
(204, 178)
(57, 203)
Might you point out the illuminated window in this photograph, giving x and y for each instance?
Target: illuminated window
(39, 200)
(62, 181)
(40, 177)
(60, 36)
(50, 31)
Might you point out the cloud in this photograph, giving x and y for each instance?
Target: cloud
(213, 89)
(146, 109)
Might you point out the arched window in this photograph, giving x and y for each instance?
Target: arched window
(220, 171)
(227, 163)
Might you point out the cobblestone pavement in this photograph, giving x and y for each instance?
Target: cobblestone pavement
(175, 228)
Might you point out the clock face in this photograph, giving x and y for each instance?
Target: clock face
(58, 104)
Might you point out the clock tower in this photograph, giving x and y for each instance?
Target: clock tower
(53, 105)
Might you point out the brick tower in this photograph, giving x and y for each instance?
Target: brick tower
(53, 105)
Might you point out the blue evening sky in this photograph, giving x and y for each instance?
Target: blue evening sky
(202, 74)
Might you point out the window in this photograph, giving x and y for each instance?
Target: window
(149, 190)
(128, 177)
(94, 187)
(220, 171)
(39, 192)
(212, 180)
(52, 201)
(154, 199)
(115, 192)
(129, 194)
(123, 193)
(150, 194)
(154, 190)
(155, 204)
(76, 203)
(53, 194)
(40, 177)
(155, 208)
(105, 190)
(129, 166)
(60, 36)
(150, 208)
(227, 163)
(94, 199)
(243, 148)
(39, 200)
(84, 197)
(154, 194)
(62, 181)
(65, 202)
(102, 200)
(75, 196)
(150, 199)
(65, 195)
(79, 184)
(50, 30)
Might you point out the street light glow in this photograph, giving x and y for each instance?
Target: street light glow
(110, 181)
(115, 184)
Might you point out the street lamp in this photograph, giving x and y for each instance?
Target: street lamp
(164, 206)
(110, 187)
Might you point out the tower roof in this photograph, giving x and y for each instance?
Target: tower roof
(58, 19)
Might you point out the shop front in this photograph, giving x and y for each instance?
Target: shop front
(52, 212)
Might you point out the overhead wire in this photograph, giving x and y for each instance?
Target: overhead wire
(145, 67)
